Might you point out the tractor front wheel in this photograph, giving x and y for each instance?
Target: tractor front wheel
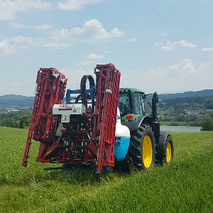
(142, 147)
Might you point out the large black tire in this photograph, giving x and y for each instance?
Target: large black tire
(142, 147)
(165, 152)
(124, 165)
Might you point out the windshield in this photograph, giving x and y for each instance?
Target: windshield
(124, 103)
(131, 103)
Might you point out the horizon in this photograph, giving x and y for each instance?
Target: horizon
(164, 46)
(153, 92)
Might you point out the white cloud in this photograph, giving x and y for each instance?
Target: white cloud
(9, 8)
(42, 27)
(184, 67)
(90, 30)
(163, 34)
(90, 60)
(169, 45)
(131, 40)
(180, 68)
(207, 49)
(36, 27)
(12, 45)
(74, 76)
(76, 4)
(6, 48)
(93, 56)
(183, 43)
(182, 76)
(17, 25)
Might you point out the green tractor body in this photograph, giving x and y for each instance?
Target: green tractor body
(147, 143)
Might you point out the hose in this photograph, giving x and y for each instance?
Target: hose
(83, 87)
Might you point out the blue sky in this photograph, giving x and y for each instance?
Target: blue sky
(158, 45)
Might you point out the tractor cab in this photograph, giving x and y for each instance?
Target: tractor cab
(131, 103)
(133, 112)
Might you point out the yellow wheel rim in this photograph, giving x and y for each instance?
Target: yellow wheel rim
(168, 153)
(147, 151)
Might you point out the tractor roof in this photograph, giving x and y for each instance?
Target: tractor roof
(133, 90)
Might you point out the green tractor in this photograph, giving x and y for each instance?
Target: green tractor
(148, 145)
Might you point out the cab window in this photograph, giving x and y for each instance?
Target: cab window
(124, 103)
(138, 103)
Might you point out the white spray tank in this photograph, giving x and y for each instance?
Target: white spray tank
(122, 139)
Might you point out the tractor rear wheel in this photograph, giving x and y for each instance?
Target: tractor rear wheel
(166, 150)
(142, 147)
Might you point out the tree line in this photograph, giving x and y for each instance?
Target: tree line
(20, 119)
(192, 111)
(191, 103)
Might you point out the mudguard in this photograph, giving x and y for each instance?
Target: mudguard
(134, 125)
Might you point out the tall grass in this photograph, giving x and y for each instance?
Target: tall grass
(184, 186)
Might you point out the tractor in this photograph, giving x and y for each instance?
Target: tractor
(148, 145)
(97, 127)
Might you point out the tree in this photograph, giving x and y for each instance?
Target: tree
(207, 124)
(25, 121)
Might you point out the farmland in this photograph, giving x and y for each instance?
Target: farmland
(184, 186)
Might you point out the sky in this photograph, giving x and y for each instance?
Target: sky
(157, 45)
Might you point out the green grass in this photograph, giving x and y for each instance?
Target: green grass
(184, 186)
(178, 123)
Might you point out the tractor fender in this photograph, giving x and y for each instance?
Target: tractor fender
(134, 125)
(147, 120)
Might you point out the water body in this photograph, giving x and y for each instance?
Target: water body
(180, 128)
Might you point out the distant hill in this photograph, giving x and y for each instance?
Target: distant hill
(192, 103)
(206, 92)
(16, 101)
(20, 101)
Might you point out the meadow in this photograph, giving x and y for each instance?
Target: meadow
(186, 185)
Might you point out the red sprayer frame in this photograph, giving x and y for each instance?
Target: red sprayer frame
(92, 144)
(108, 81)
(51, 85)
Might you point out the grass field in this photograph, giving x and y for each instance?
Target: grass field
(184, 186)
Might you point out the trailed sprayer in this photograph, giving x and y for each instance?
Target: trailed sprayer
(99, 125)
